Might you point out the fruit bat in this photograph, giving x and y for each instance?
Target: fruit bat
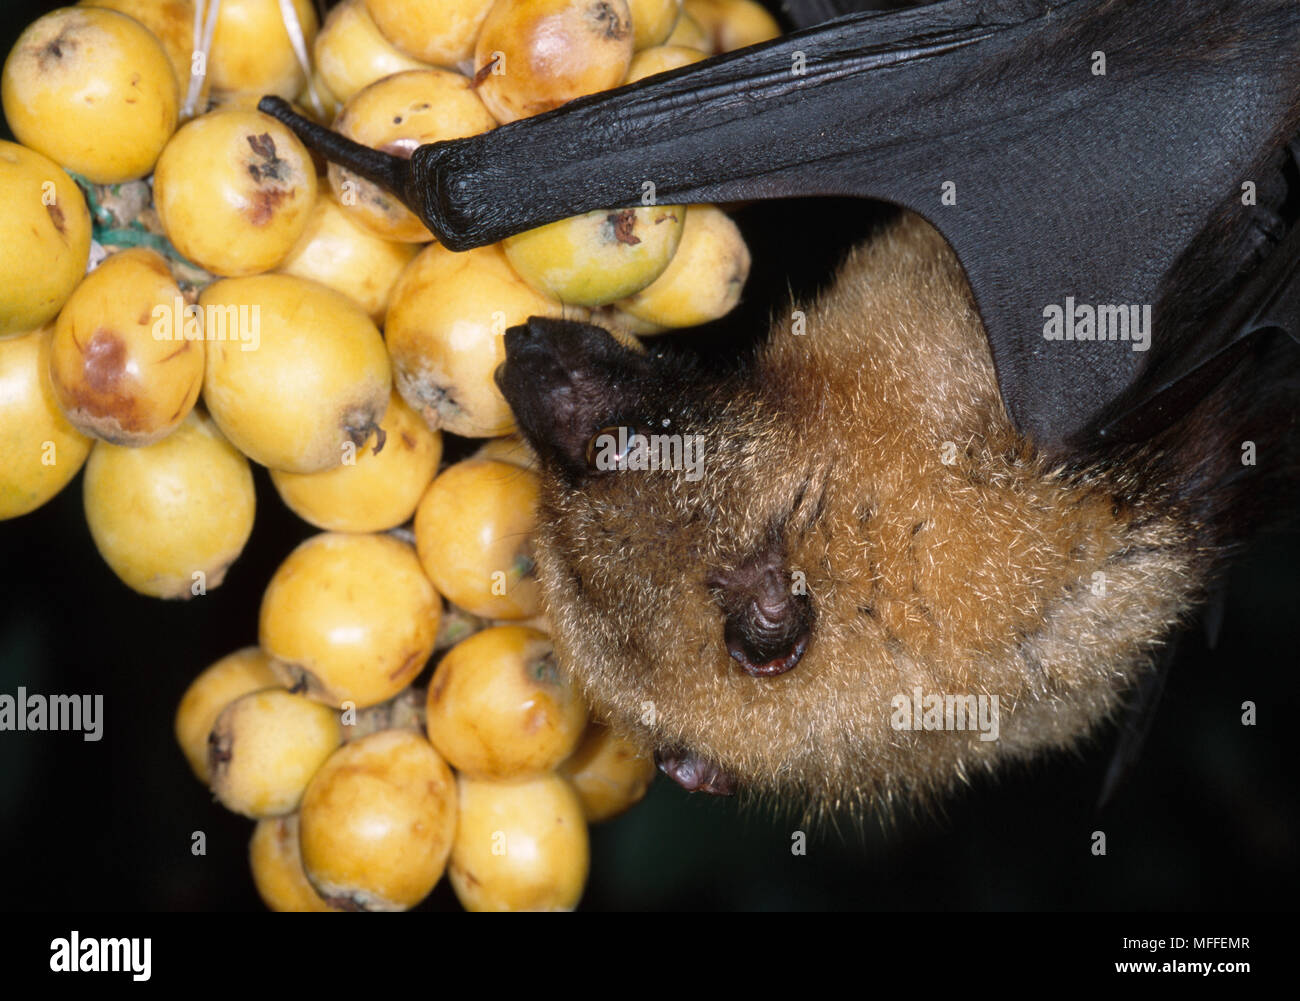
(952, 511)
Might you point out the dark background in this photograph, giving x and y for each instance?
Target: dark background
(1208, 821)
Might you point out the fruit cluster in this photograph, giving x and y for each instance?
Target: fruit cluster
(186, 290)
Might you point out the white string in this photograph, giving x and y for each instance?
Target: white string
(203, 45)
(299, 43)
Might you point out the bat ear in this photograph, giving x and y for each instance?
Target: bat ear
(768, 623)
(565, 381)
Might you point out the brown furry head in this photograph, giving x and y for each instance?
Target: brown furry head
(865, 528)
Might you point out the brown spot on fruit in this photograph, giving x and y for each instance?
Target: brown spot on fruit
(408, 442)
(265, 202)
(484, 72)
(606, 20)
(622, 224)
(105, 361)
(56, 217)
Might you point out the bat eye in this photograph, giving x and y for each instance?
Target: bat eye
(608, 448)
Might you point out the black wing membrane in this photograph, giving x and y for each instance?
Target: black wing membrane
(1073, 152)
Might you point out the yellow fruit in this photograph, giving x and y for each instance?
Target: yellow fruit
(398, 114)
(44, 238)
(308, 387)
(704, 279)
(534, 55)
(113, 374)
(520, 845)
(276, 861)
(688, 34)
(236, 674)
(324, 105)
(622, 325)
(170, 518)
(172, 23)
(380, 489)
(349, 258)
(234, 190)
(265, 747)
(91, 89)
(41, 450)
(652, 21)
(512, 449)
(661, 59)
(350, 617)
(377, 822)
(498, 709)
(596, 258)
(251, 48)
(732, 24)
(352, 54)
(609, 772)
(445, 332)
(472, 531)
(435, 31)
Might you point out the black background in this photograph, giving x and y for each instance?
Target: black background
(1209, 820)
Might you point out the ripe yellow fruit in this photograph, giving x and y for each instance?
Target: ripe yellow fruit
(325, 105)
(308, 387)
(112, 373)
(661, 59)
(472, 531)
(348, 257)
(41, 450)
(276, 860)
(351, 53)
(236, 674)
(435, 31)
(521, 845)
(172, 23)
(499, 709)
(234, 190)
(380, 489)
(688, 34)
(445, 333)
(91, 89)
(170, 518)
(265, 747)
(251, 49)
(511, 448)
(733, 24)
(377, 822)
(398, 114)
(534, 55)
(44, 238)
(609, 772)
(596, 258)
(652, 21)
(350, 617)
(704, 279)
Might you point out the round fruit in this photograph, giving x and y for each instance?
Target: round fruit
(91, 89)
(520, 845)
(377, 491)
(265, 747)
(472, 530)
(445, 332)
(251, 47)
(498, 708)
(534, 55)
(688, 34)
(309, 379)
(596, 258)
(351, 618)
(41, 450)
(120, 364)
(170, 518)
(44, 238)
(234, 190)
(661, 59)
(704, 279)
(732, 24)
(276, 860)
(349, 258)
(172, 23)
(352, 54)
(435, 31)
(236, 674)
(609, 772)
(398, 114)
(652, 21)
(511, 448)
(377, 822)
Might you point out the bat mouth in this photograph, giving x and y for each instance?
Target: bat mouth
(765, 664)
(695, 773)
